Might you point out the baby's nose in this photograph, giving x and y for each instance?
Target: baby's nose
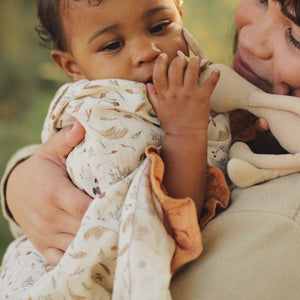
(144, 51)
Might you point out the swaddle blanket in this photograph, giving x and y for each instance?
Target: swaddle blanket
(123, 249)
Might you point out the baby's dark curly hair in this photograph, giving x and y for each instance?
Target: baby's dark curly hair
(50, 30)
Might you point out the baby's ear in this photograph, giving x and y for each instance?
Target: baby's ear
(180, 11)
(67, 63)
(179, 4)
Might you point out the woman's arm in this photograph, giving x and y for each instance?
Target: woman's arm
(42, 199)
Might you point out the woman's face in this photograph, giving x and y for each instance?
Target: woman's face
(268, 51)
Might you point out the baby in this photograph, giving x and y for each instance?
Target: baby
(132, 238)
(116, 60)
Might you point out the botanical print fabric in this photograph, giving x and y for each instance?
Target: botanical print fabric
(123, 250)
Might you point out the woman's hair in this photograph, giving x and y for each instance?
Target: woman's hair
(294, 4)
(51, 30)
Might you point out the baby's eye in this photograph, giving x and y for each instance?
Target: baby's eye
(264, 1)
(159, 27)
(113, 46)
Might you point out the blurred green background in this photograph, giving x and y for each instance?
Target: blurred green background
(29, 79)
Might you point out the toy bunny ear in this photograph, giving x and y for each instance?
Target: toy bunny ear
(193, 44)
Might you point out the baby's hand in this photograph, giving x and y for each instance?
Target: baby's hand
(182, 107)
(181, 104)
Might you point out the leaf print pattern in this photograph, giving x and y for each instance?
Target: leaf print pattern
(74, 296)
(117, 174)
(114, 134)
(77, 107)
(106, 268)
(78, 255)
(129, 91)
(122, 244)
(140, 107)
(95, 232)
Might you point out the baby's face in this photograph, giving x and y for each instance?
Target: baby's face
(268, 44)
(122, 38)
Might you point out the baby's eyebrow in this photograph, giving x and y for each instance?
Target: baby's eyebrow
(153, 11)
(102, 31)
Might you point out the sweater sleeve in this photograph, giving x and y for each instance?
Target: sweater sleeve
(181, 214)
(17, 158)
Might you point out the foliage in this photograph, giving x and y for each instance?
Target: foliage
(28, 79)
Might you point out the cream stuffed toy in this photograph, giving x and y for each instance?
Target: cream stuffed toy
(246, 168)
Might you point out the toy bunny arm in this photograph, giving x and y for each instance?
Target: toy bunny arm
(244, 174)
(264, 161)
(246, 168)
(234, 92)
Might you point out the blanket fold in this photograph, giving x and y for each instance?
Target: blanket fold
(123, 249)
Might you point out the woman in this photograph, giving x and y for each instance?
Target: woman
(251, 251)
(245, 254)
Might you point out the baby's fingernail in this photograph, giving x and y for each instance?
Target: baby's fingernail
(180, 53)
(163, 56)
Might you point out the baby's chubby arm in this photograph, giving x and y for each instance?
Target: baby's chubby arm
(182, 106)
(43, 200)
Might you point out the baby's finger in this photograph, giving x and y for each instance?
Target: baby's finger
(160, 79)
(211, 81)
(152, 95)
(191, 77)
(176, 71)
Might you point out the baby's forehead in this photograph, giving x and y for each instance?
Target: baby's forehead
(67, 4)
(89, 2)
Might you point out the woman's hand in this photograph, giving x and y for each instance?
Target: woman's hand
(43, 200)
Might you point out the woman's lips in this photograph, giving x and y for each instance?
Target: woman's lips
(244, 70)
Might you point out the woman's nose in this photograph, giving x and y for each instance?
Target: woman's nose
(256, 37)
(144, 51)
